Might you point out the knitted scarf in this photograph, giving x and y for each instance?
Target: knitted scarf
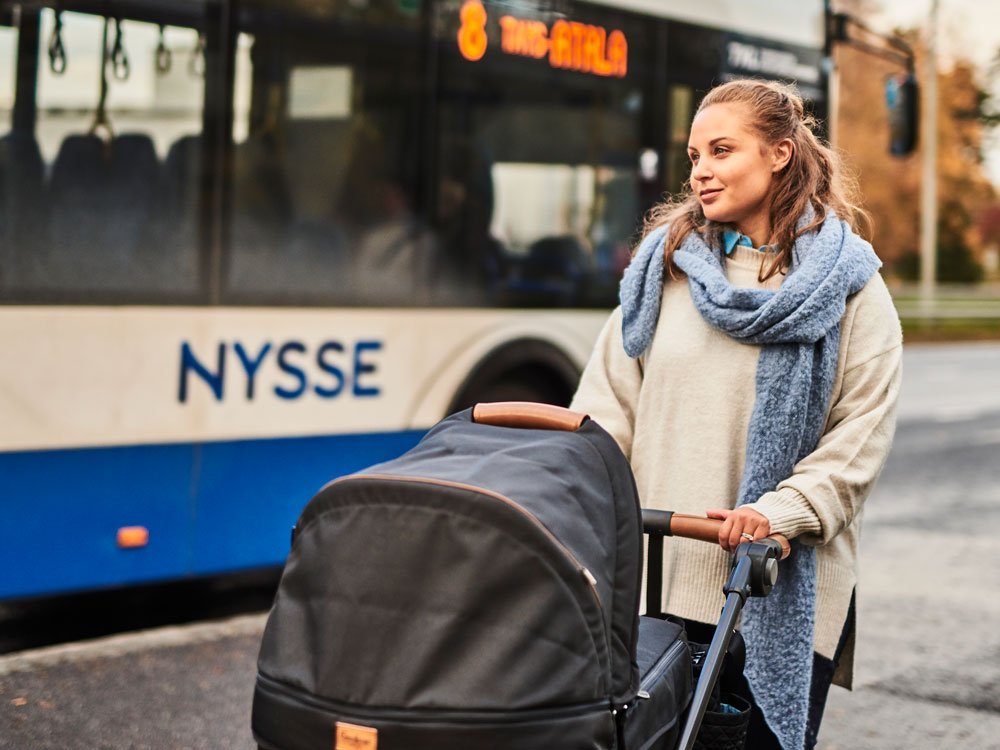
(798, 328)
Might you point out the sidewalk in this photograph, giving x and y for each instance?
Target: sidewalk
(949, 301)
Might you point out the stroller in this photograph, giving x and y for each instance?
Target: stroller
(482, 592)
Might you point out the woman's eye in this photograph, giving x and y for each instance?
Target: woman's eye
(693, 158)
(719, 150)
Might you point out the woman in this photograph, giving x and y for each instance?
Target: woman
(751, 373)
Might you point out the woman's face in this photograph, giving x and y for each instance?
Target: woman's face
(732, 170)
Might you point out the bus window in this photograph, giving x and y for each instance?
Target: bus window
(325, 157)
(115, 217)
(8, 50)
(538, 197)
(20, 164)
(681, 112)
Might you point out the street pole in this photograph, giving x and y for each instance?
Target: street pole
(928, 195)
(833, 96)
(832, 77)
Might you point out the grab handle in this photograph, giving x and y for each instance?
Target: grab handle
(667, 523)
(526, 414)
(762, 553)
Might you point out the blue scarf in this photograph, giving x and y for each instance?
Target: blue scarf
(798, 328)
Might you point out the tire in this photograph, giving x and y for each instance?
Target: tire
(523, 370)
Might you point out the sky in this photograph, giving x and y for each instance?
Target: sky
(970, 28)
(966, 28)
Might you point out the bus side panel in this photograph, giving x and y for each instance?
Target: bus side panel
(233, 510)
(62, 510)
(251, 492)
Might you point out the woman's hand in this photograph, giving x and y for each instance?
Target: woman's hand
(738, 522)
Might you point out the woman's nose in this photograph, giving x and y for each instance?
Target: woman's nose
(700, 172)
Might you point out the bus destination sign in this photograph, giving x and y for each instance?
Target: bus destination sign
(569, 45)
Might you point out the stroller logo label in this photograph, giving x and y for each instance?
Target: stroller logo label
(354, 737)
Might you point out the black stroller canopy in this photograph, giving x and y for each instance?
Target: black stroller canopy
(481, 571)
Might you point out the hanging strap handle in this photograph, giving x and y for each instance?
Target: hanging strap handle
(196, 63)
(120, 66)
(101, 114)
(528, 415)
(164, 57)
(57, 50)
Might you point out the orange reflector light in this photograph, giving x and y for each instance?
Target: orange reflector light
(130, 537)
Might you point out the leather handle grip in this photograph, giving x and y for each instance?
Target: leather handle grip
(528, 415)
(707, 530)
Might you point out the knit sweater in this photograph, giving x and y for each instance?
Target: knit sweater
(681, 411)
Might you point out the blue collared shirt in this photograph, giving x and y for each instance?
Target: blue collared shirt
(731, 238)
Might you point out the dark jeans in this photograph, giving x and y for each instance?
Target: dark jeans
(759, 735)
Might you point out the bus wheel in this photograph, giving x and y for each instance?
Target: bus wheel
(520, 371)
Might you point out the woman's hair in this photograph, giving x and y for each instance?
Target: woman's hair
(813, 176)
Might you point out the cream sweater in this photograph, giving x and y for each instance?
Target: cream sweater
(681, 412)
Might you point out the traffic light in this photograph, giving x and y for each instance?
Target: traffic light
(902, 96)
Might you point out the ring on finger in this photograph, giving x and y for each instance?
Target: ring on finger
(748, 537)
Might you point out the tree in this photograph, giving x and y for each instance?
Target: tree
(891, 185)
(956, 264)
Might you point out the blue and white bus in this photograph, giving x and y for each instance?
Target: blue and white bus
(250, 245)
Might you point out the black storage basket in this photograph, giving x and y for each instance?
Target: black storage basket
(726, 727)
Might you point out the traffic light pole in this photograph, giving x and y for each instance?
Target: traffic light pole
(928, 187)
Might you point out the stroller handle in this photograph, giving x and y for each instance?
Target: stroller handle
(695, 527)
(526, 414)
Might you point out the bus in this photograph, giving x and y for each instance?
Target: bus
(247, 246)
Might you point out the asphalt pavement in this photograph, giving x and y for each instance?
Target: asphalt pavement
(928, 662)
(928, 667)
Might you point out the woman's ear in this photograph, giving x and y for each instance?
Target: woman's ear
(781, 154)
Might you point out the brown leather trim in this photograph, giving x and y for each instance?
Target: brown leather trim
(707, 530)
(355, 737)
(529, 415)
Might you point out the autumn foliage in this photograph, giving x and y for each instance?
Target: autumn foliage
(891, 185)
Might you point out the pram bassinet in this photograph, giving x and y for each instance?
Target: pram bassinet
(480, 591)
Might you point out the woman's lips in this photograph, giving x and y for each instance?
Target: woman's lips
(709, 195)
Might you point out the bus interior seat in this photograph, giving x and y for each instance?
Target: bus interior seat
(557, 258)
(173, 233)
(182, 176)
(466, 203)
(260, 185)
(134, 178)
(22, 171)
(101, 197)
(316, 261)
(318, 153)
(261, 215)
(77, 205)
(22, 207)
(556, 269)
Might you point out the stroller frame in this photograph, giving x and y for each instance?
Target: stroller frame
(754, 573)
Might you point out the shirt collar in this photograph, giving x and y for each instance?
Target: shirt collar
(730, 239)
